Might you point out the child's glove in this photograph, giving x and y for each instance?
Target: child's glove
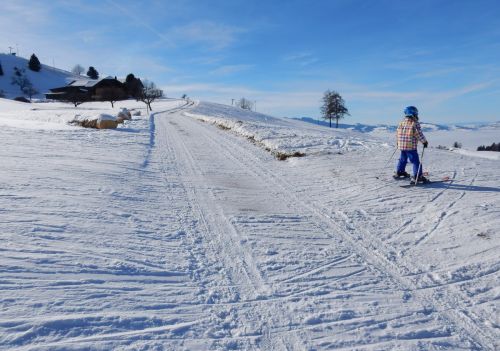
(425, 144)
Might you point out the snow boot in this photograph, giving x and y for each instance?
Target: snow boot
(420, 179)
(399, 175)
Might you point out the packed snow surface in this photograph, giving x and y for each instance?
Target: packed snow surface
(181, 230)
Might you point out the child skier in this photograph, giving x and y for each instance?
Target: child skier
(408, 135)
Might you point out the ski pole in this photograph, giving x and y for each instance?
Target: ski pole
(419, 166)
(389, 160)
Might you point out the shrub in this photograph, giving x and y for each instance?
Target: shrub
(21, 99)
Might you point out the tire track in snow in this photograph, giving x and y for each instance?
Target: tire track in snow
(325, 226)
(203, 201)
(450, 304)
(225, 242)
(152, 129)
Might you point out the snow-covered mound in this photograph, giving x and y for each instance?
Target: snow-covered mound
(45, 79)
(283, 135)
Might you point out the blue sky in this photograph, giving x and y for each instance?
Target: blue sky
(380, 55)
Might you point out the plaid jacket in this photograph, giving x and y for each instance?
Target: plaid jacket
(409, 133)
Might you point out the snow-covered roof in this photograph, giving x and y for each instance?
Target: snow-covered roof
(84, 82)
(88, 82)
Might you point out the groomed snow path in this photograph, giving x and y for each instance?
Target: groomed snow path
(212, 244)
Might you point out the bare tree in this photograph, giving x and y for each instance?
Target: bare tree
(111, 94)
(78, 70)
(333, 107)
(244, 104)
(150, 93)
(19, 78)
(76, 97)
(30, 90)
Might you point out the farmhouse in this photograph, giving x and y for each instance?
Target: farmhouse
(82, 90)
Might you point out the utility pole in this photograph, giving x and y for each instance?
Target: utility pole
(232, 102)
(10, 49)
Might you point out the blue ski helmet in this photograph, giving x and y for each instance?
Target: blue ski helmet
(411, 111)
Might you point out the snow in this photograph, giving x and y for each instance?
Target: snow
(182, 231)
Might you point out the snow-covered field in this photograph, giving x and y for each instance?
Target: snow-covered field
(182, 231)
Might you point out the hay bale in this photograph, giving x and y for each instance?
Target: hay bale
(84, 121)
(105, 121)
(89, 123)
(124, 115)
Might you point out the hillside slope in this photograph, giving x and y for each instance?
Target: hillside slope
(46, 78)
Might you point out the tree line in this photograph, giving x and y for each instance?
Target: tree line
(492, 147)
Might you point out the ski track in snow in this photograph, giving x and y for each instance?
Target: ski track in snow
(190, 237)
(464, 324)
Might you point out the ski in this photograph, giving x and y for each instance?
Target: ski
(442, 180)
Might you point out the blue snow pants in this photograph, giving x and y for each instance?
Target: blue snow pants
(412, 156)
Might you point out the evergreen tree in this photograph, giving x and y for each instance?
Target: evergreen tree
(133, 86)
(34, 64)
(92, 73)
(130, 78)
(333, 107)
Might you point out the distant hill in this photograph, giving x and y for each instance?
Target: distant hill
(48, 77)
(426, 127)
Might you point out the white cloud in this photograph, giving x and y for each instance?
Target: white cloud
(302, 58)
(165, 38)
(439, 97)
(230, 69)
(215, 36)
